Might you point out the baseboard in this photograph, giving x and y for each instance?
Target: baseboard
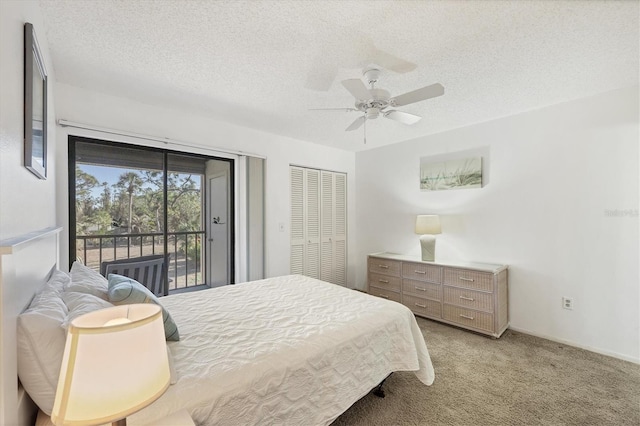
(578, 345)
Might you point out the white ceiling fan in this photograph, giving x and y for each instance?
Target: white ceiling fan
(373, 102)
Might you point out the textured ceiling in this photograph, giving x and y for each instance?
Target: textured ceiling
(262, 64)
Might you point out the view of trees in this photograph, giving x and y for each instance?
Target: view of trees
(134, 203)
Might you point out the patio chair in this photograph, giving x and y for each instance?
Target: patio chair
(150, 271)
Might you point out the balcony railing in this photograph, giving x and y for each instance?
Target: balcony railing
(185, 249)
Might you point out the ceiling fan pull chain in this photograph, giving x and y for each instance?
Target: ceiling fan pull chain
(365, 130)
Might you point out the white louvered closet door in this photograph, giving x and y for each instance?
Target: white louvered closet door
(297, 221)
(312, 223)
(318, 224)
(328, 228)
(340, 229)
(305, 222)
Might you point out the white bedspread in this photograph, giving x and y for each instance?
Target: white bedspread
(288, 350)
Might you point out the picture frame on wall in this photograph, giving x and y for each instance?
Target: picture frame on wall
(451, 174)
(35, 105)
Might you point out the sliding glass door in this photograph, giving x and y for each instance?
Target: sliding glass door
(128, 201)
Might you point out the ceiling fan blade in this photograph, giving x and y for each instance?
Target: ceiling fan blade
(333, 109)
(356, 87)
(418, 95)
(402, 117)
(357, 123)
(391, 62)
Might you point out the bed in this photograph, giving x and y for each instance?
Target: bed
(285, 350)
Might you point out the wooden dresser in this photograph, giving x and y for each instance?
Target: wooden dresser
(468, 295)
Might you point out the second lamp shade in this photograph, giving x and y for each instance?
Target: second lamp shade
(428, 224)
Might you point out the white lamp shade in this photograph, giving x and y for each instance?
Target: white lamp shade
(428, 224)
(115, 363)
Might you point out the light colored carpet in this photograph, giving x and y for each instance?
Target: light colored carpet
(515, 380)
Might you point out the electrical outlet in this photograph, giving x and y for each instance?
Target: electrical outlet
(567, 303)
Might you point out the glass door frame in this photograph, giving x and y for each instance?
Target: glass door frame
(73, 140)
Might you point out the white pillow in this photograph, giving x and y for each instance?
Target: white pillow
(57, 283)
(41, 341)
(80, 304)
(86, 280)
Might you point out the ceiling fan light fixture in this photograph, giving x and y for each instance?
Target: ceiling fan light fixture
(372, 113)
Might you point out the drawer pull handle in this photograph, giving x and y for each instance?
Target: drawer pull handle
(466, 316)
(467, 279)
(420, 272)
(384, 281)
(471, 299)
(384, 266)
(421, 289)
(421, 306)
(382, 295)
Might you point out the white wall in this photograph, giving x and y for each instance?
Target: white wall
(554, 175)
(26, 202)
(89, 107)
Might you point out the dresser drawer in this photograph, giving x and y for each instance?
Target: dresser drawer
(384, 281)
(464, 294)
(473, 280)
(468, 318)
(422, 272)
(422, 289)
(468, 298)
(385, 294)
(425, 307)
(384, 266)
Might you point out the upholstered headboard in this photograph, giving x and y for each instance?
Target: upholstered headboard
(26, 262)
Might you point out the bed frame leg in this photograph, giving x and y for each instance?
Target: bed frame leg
(378, 391)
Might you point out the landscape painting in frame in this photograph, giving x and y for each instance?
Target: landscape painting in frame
(451, 174)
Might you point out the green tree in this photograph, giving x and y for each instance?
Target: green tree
(154, 198)
(137, 198)
(184, 202)
(101, 220)
(106, 197)
(85, 206)
(130, 183)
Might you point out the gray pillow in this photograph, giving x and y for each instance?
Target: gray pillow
(125, 291)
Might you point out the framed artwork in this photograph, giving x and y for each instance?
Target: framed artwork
(35, 106)
(452, 174)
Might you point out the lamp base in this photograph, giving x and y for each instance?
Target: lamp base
(428, 245)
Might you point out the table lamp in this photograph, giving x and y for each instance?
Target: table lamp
(114, 364)
(427, 226)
